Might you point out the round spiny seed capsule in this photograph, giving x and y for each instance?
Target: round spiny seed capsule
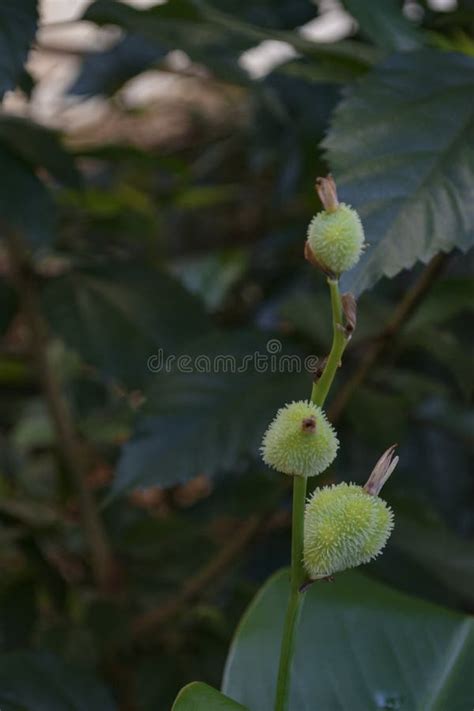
(344, 527)
(300, 440)
(336, 238)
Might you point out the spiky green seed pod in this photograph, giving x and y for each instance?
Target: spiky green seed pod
(344, 527)
(336, 238)
(300, 440)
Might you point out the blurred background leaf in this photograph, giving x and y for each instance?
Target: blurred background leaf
(95, 309)
(208, 414)
(40, 147)
(385, 24)
(40, 681)
(159, 162)
(25, 203)
(18, 24)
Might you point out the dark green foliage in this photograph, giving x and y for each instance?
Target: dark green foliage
(106, 72)
(217, 37)
(25, 203)
(181, 234)
(18, 23)
(40, 148)
(44, 683)
(8, 301)
(385, 24)
(96, 309)
(198, 422)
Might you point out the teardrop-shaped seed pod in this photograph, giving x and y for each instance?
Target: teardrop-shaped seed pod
(344, 527)
(336, 238)
(300, 440)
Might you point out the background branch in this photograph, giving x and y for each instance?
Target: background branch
(103, 566)
(380, 343)
(148, 622)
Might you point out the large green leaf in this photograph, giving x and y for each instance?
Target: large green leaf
(274, 14)
(201, 697)
(361, 646)
(117, 316)
(18, 611)
(346, 52)
(40, 682)
(266, 13)
(385, 24)
(18, 23)
(8, 306)
(112, 11)
(402, 150)
(217, 38)
(25, 204)
(207, 419)
(180, 24)
(107, 71)
(438, 550)
(447, 298)
(40, 147)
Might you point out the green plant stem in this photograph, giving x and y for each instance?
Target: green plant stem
(295, 602)
(339, 342)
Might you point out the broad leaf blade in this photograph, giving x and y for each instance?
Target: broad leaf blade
(8, 306)
(107, 71)
(438, 550)
(40, 681)
(25, 204)
(201, 697)
(111, 11)
(18, 23)
(402, 150)
(446, 300)
(117, 316)
(217, 38)
(360, 646)
(40, 147)
(209, 416)
(385, 24)
(283, 14)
